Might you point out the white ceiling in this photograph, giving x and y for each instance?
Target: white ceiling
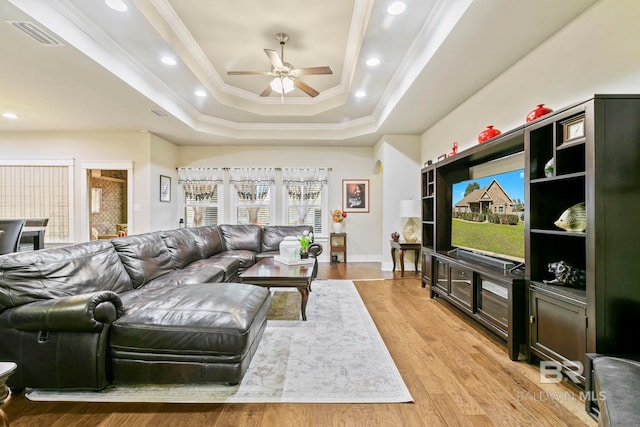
(107, 73)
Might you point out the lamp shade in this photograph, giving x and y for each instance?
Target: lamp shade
(410, 209)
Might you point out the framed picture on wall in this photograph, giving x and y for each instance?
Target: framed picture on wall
(96, 200)
(355, 195)
(165, 188)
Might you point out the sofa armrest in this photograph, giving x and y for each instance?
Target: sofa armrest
(77, 313)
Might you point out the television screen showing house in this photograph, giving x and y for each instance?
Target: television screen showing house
(488, 215)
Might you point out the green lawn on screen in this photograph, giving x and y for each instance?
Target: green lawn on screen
(494, 238)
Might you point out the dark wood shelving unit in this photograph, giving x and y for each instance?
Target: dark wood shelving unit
(428, 221)
(595, 168)
(338, 247)
(599, 168)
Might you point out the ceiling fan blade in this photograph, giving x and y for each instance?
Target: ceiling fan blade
(306, 88)
(267, 91)
(274, 57)
(312, 70)
(249, 73)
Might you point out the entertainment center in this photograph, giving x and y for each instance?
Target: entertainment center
(587, 153)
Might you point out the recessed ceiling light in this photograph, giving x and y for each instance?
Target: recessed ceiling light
(372, 62)
(117, 5)
(360, 94)
(201, 93)
(10, 116)
(168, 60)
(396, 8)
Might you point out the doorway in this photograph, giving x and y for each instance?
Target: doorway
(107, 193)
(107, 203)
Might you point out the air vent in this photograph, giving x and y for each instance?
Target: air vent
(36, 33)
(160, 113)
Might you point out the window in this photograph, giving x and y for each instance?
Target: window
(305, 197)
(42, 190)
(202, 189)
(252, 195)
(201, 204)
(253, 204)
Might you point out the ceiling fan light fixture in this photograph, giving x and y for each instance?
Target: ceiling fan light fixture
(286, 76)
(280, 83)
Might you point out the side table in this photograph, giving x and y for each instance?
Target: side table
(6, 369)
(397, 245)
(338, 242)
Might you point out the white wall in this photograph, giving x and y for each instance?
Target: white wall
(346, 163)
(163, 158)
(597, 53)
(399, 157)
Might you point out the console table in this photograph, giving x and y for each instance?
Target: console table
(404, 247)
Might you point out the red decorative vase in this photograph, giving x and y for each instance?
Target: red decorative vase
(487, 134)
(537, 112)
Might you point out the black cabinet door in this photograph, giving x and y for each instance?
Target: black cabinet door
(557, 330)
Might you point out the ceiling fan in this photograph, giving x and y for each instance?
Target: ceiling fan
(285, 76)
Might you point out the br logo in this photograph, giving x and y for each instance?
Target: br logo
(552, 372)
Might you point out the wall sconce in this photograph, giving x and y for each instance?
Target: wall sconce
(410, 209)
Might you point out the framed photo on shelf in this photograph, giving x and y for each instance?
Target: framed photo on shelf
(355, 195)
(573, 129)
(165, 188)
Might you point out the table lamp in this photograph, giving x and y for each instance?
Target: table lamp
(410, 209)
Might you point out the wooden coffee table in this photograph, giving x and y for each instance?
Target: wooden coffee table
(271, 274)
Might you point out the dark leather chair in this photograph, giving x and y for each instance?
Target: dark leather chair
(10, 233)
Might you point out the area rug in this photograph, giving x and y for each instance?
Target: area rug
(285, 306)
(336, 356)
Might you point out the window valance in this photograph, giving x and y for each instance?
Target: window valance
(201, 175)
(253, 176)
(304, 175)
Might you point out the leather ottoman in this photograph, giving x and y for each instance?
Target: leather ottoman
(197, 333)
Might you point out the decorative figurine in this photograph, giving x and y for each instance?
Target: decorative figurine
(395, 236)
(454, 150)
(566, 275)
(573, 219)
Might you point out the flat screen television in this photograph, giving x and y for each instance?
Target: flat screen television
(488, 210)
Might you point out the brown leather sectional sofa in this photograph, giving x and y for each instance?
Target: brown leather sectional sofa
(159, 307)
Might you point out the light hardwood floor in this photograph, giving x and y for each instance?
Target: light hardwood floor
(457, 373)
